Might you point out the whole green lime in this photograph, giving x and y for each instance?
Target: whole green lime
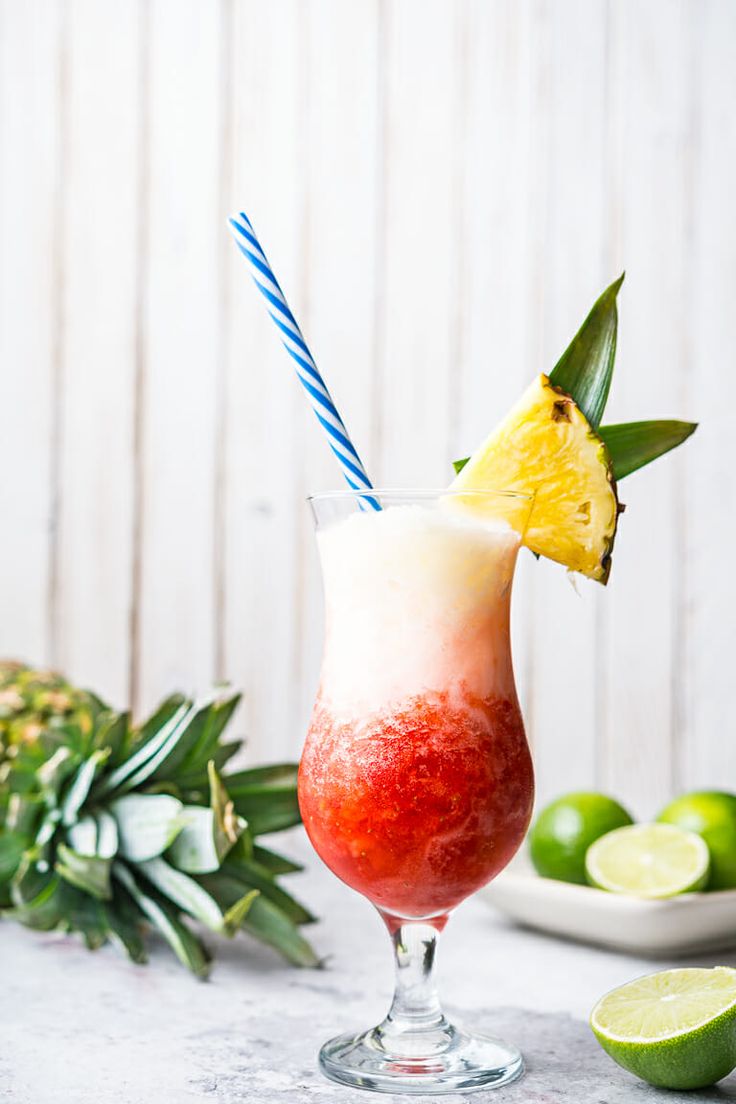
(712, 814)
(565, 829)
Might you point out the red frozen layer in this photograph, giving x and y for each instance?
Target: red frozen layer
(418, 806)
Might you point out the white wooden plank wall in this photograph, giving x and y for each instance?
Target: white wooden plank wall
(443, 190)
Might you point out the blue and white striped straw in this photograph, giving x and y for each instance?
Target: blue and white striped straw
(295, 345)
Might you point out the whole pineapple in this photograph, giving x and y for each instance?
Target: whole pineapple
(107, 828)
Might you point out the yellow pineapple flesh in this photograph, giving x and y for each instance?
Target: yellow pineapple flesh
(546, 447)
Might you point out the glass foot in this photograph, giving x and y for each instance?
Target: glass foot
(442, 1060)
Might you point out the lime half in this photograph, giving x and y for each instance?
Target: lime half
(675, 1029)
(648, 860)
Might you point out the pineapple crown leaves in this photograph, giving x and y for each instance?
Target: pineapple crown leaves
(585, 372)
(106, 829)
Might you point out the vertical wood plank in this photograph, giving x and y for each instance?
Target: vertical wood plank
(651, 136)
(494, 116)
(423, 67)
(95, 510)
(264, 409)
(30, 115)
(176, 639)
(340, 268)
(572, 132)
(708, 498)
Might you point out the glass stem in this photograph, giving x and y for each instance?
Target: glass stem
(415, 1023)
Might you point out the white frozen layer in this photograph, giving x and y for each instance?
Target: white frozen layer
(416, 600)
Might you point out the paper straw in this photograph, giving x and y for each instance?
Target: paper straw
(295, 345)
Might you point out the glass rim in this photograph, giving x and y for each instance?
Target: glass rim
(418, 493)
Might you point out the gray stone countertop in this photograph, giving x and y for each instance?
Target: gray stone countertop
(83, 1028)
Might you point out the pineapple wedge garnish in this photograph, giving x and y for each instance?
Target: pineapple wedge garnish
(546, 447)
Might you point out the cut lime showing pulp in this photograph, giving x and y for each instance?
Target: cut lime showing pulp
(675, 1029)
(648, 860)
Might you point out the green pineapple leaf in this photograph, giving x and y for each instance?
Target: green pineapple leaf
(108, 837)
(202, 751)
(124, 925)
(184, 943)
(266, 797)
(237, 913)
(585, 369)
(55, 771)
(201, 845)
(159, 719)
(82, 836)
(39, 896)
(79, 788)
(113, 734)
(270, 925)
(633, 444)
(223, 914)
(252, 874)
(24, 812)
(85, 872)
(147, 824)
(47, 828)
(196, 727)
(12, 846)
(146, 756)
(89, 916)
(275, 863)
(208, 833)
(183, 891)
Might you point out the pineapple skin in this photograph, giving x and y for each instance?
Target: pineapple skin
(33, 699)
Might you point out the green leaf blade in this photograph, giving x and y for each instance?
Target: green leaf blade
(199, 848)
(12, 846)
(585, 369)
(82, 836)
(85, 872)
(159, 719)
(254, 876)
(79, 788)
(266, 797)
(186, 946)
(147, 824)
(24, 812)
(632, 445)
(267, 923)
(274, 862)
(113, 733)
(184, 892)
(124, 926)
(149, 754)
(217, 718)
(39, 896)
(236, 914)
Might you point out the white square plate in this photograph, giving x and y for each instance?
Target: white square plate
(680, 925)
